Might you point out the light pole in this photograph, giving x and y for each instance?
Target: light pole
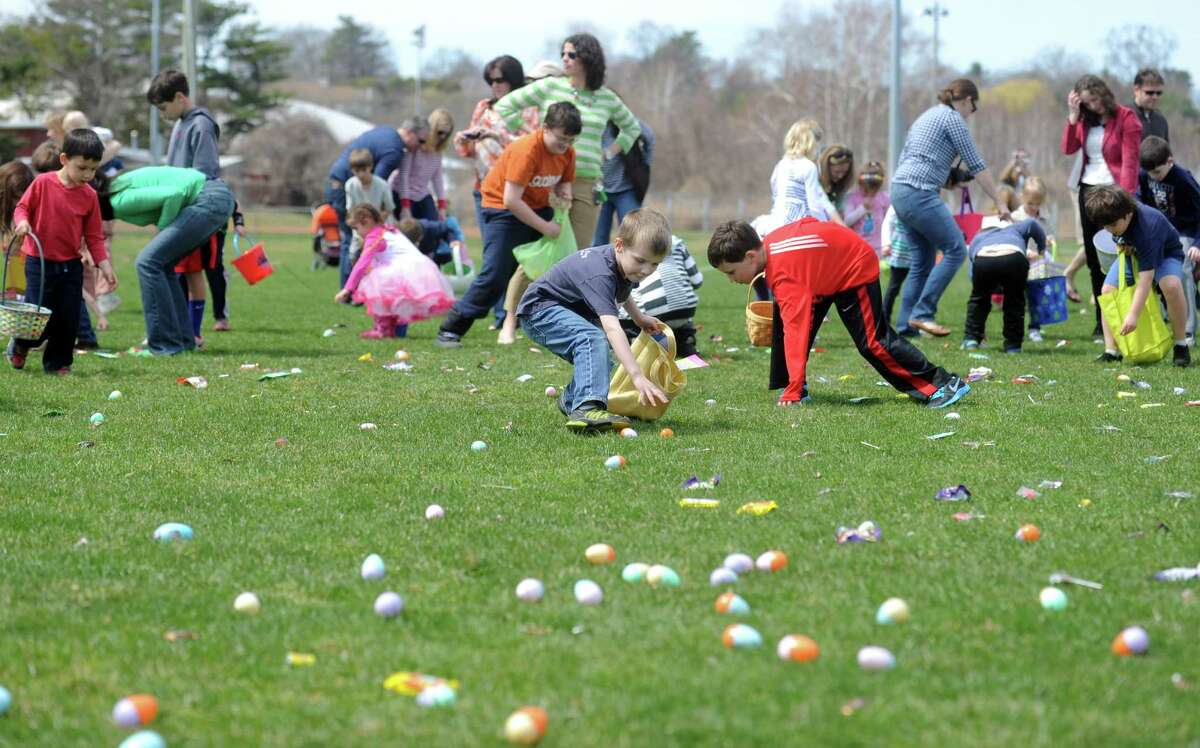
(894, 127)
(419, 43)
(189, 47)
(938, 13)
(155, 30)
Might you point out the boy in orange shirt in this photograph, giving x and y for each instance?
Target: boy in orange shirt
(516, 211)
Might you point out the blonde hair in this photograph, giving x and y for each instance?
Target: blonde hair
(646, 229)
(75, 120)
(441, 129)
(1034, 190)
(802, 139)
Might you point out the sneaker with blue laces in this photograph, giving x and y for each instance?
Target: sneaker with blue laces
(949, 393)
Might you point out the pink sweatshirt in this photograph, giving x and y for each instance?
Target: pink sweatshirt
(373, 244)
(867, 222)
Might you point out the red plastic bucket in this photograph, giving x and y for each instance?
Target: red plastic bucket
(253, 263)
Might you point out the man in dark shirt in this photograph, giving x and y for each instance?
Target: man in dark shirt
(1147, 93)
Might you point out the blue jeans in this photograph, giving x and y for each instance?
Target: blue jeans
(335, 195)
(85, 334)
(1168, 266)
(579, 342)
(168, 321)
(502, 232)
(498, 309)
(61, 291)
(931, 229)
(618, 202)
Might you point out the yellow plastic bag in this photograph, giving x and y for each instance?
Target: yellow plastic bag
(1151, 340)
(658, 364)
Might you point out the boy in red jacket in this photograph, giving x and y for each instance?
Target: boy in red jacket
(60, 208)
(810, 266)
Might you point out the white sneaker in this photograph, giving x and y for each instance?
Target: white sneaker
(1036, 336)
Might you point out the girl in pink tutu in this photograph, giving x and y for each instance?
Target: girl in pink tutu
(395, 282)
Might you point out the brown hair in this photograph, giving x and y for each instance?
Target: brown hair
(872, 177)
(836, 154)
(1107, 204)
(364, 210)
(731, 241)
(411, 228)
(1154, 152)
(1008, 198)
(646, 229)
(15, 178)
(361, 158)
(1096, 86)
(45, 157)
(1148, 75)
(957, 90)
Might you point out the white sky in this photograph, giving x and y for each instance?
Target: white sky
(997, 34)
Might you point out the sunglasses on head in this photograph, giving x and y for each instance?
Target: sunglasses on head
(570, 55)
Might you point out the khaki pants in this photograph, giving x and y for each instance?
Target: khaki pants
(584, 211)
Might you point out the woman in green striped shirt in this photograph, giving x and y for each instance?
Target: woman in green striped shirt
(582, 84)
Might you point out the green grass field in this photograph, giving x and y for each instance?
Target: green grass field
(979, 664)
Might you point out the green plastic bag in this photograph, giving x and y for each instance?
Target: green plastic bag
(1151, 340)
(539, 256)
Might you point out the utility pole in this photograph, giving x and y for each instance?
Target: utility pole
(938, 13)
(189, 47)
(419, 43)
(155, 30)
(894, 123)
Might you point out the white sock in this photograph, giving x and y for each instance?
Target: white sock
(1113, 351)
(1181, 341)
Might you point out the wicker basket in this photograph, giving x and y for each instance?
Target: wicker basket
(758, 318)
(20, 319)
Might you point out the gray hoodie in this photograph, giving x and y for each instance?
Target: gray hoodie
(194, 143)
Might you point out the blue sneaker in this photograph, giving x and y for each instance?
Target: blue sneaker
(949, 393)
(969, 345)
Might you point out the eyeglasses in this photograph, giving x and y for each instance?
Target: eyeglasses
(494, 81)
(1153, 93)
(570, 55)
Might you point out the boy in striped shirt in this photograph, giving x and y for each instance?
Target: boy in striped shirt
(669, 295)
(810, 266)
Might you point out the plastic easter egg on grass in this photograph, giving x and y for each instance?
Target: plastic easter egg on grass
(526, 726)
(172, 531)
(797, 648)
(551, 391)
(144, 739)
(247, 603)
(738, 563)
(403, 355)
(1028, 533)
(667, 433)
(439, 694)
(530, 590)
(599, 554)
(722, 576)
(731, 603)
(893, 610)
(741, 636)
(1052, 598)
(662, 576)
(137, 710)
(434, 511)
(478, 445)
(588, 592)
(771, 561)
(635, 572)
(373, 567)
(115, 395)
(876, 658)
(389, 604)
(1131, 641)
(5, 701)
(628, 433)
(96, 419)
(615, 462)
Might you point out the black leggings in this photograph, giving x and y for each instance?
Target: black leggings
(896, 278)
(1089, 247)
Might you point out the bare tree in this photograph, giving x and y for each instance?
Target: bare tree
(1131, 48)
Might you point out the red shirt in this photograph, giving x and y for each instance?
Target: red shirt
(807, 261)
(60, 216)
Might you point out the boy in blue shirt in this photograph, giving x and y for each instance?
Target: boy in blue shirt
(1145, 233)
(999, 257)
(1172, 189)
(572, 310)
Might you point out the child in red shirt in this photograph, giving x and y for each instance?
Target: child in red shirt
(516, 211)
(810, 266)
(61, 209)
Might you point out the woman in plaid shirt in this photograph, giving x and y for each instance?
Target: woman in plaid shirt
(935, 140)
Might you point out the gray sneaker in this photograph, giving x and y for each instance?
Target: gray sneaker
(596, 419)
(448, 340)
